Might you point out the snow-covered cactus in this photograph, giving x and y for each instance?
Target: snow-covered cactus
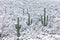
(18, 27)
(0, 35)
(29, 22)
(44, 19)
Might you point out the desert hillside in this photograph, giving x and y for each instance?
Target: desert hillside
(34, 10)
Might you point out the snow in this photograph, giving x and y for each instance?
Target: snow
(11, 9)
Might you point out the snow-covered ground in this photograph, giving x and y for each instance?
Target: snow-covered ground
(11, 9)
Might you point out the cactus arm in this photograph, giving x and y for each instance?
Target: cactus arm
(41, 20)
(47, 20)
(31, 21)
(23, 11)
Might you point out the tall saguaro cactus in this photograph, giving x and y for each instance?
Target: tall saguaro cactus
(18, 27)
(29, 22)
(0, 36)
(44, 19)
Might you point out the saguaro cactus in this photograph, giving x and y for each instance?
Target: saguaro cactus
(0, 36)
(29, 22)
(18, 27)
(44, 19)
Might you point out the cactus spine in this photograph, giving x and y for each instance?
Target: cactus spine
(29, 22)
(18, 27)
(44, 19)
